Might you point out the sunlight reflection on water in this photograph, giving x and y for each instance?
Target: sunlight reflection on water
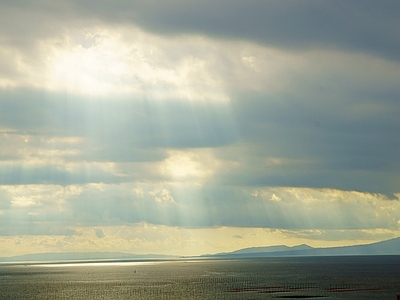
(284, 278)
(97, 264)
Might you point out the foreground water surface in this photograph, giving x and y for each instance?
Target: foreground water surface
(367, 277)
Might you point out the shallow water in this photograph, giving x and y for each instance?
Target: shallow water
(375, 277)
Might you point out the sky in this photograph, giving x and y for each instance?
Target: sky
(188, 127)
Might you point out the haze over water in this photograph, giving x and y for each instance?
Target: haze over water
(365, 277)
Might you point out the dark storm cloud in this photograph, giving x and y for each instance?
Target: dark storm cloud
(356, 25)
(327, 147)
(317, 128)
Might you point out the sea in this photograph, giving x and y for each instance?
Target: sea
(350, 277)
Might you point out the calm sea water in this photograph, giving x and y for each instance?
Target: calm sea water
(375, 277)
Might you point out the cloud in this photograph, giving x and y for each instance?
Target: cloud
(52, 174)
(141, 122)
(184, 115)
(349, 25)
(176, 204)
(319, 129)
(162, 196)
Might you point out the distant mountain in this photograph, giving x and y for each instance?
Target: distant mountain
(81, 256)
(271, 249)
(389, 247)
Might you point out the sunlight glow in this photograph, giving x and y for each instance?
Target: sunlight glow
(190, 165)
(95, 70)
(98, 264)
(104, 62)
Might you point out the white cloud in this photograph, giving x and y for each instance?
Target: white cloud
(329, 208)
(191, 165)
(138, 193)
(42, 196)
(162, 196)
(24, 201)
(192, 205)
(275, 198)
(103, 61)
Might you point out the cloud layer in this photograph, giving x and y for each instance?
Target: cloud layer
(274, 115)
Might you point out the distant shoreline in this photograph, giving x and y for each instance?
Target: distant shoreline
(383, 248)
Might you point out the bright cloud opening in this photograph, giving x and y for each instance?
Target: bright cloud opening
(106, 62)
